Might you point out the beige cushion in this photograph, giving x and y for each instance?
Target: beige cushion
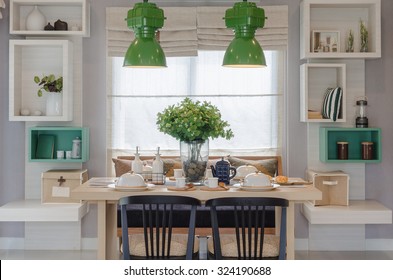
(178, 245)
(266, 166)
(121, 166)
(229, 247)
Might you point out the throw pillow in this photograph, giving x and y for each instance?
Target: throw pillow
(266, 166)
(121, 166)
(332, 103)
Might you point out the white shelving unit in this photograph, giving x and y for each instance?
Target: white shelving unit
(341, 16)
(75, 12)
(334, 227)
(29, 58)
(315, 78)
(56, 226)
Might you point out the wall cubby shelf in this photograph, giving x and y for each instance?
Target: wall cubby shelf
(29, 58)
(341, 16)
(329, 136)
(315, 78)
(357, 212)
(75, 12)
(63, 137)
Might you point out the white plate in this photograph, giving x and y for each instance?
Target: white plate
(259, 189)
(127, 189)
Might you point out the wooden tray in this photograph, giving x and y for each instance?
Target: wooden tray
(218, 189)
(185, 189)
(295, 183)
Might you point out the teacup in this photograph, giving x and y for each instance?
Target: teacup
(180, 182)
(212, 182)
(177, 173)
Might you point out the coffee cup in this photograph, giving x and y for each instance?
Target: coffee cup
(212, 182)
(60, 154)
(180, 182)
(177, 173)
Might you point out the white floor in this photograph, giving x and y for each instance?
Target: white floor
(91, 255)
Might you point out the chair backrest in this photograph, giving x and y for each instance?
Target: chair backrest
(157, 215)
(249, 215)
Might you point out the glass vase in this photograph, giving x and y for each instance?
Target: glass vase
(194, 156)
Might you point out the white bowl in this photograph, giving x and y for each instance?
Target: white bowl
(130, 179)
(243, 170)
(257, 179)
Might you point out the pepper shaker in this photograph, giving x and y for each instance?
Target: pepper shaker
(158, 169)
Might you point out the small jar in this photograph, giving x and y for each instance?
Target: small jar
(342, 150)
(367, 150)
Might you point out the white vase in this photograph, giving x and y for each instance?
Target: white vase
(35, 20)
(54, 104)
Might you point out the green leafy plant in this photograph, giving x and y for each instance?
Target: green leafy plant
(363, 37)
(193, 120)
(49, 83)
(350, 41)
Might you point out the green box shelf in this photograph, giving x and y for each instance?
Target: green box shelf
(329, 136)
(63, 137)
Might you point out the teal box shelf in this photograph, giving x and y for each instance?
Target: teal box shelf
(56, 138)
(329, 136)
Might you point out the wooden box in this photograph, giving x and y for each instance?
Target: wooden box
(56, 185)
(333, 185)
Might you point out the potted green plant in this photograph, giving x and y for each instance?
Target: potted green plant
(49, 83)
(54, 87)
(193, 123)
(363, 37)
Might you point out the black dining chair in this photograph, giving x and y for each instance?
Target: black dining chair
(158, 240)
(249, 240)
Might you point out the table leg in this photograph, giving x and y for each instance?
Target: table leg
(112, 248)
(101, 230)
(291, 231)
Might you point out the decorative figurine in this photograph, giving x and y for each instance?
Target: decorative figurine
(49, 27)
(61, 25)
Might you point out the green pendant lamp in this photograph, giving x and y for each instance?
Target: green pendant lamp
(145, 51)
(244, 50)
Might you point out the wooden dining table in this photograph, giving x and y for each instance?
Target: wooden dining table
(96, 191)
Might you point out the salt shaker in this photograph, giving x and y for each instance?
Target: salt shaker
(158, 169)
(137, 165)
(76, 148)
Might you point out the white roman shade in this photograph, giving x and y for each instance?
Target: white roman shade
(187, 29)
(178, 37)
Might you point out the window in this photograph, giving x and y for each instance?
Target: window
(251, 100)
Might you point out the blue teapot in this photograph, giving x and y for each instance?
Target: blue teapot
(223, 171)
